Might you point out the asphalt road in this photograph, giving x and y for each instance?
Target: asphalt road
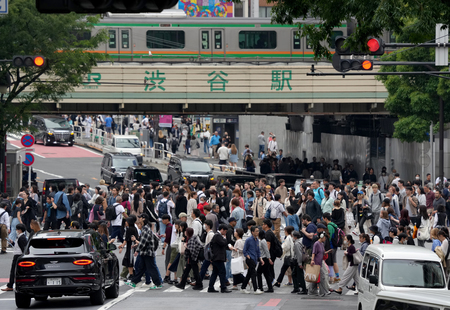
(84, 164)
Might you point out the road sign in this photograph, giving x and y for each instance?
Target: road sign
(3, 6)
(29, 159)
(27, 140)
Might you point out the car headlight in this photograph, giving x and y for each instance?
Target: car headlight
(212, 179)
(71, 133)
(50, 132)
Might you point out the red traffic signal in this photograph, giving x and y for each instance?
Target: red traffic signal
(375, 46)
(28, 61)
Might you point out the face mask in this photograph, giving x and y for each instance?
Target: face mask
(417, 178)
(204, 226)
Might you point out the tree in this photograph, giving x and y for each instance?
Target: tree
(372, 18)
(24, 31)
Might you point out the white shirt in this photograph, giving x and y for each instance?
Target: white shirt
(197, 227)
(206, 135)
(223, 153)
(273, 146)
(4, 218)
(119, 211)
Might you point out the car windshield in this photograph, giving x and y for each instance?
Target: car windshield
(56, 123)
(124, 162)
(147, 176)
(412, 273)
(127, 143)
(55, 183)
(56, 245)
(195, 166)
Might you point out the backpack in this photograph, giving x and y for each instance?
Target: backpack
(75, 208)
(273, 211)
(174, 142)
(277, 249)
(110, 213)
(60, 205)
(207, 251)
(338, 237)
(162, 208)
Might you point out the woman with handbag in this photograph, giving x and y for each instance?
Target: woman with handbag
(351, 273)
(288, 254)
(237, 254)
(423, 226)
(264, 269)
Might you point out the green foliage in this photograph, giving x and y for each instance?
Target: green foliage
(414, 99)
(372, 17)
(24, 31)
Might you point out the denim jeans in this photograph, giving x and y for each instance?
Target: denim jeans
(261, 149)
(140, 268)
(162, 229)
(206, 146)
(228, 265)
(116, 232)
(151, 142)
(150, 266)
(204, 268)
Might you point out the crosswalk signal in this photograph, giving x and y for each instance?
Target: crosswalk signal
(103, 6)
(28, 61)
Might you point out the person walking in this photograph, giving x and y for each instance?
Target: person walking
(262, 144)
(264, 268)
(316, 259)
(219, 257)
(298, 276)
(351, 273)
(273, 146)
(191, 254)
(206, 135)
(215, 144)
(223, 156)
(276, 211)
(252, 257)
(233, 156)
(18, 249)
(288, 254)
(4, 226)
(63, 211)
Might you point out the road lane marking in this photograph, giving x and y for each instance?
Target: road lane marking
(117, 300)
(48, 173)
(34, 153)
(86, 149)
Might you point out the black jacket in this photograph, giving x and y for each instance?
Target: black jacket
(219, 246)
(180, 205)
(230, 235)
(314, 210)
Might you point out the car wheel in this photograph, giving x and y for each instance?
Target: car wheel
(23, 300)
(113, 290)
(41, 298)
(70, 144)
(44, 140)
(98, 297)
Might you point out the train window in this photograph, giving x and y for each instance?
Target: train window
(218, 39)
(205, 40)
(297, 39)
(85, 35)
(112, 39)
(257, 39)
(169, 39)
(333, 37)
(308, 44)
(125, 38)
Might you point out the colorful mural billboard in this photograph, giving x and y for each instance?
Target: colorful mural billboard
(206, 8)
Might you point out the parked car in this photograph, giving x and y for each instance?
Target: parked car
(273, 178)
(141, 174)
(234, 179)
(181, 168)
(114, 166)
(124, 144)
(67, 263)
(52, 130)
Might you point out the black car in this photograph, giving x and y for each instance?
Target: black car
(67, 263)
(234, 179)
(52, 130)
(141, 174)
(273, 178)
(181, 168)
(114, 166)
(51, 185)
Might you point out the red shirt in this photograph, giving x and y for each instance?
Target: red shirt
(200, 207)
(430, 198)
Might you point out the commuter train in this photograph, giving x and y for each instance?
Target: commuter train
(144, 38)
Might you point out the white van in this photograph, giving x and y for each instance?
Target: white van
(416, 300)
(388, 267)
(124, 144)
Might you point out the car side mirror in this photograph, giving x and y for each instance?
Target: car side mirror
(113, 169)
(111, 247)
(373, 279)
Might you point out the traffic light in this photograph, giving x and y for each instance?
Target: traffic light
(344, 65)
(103, 6)
(374, 46)
(29, 61)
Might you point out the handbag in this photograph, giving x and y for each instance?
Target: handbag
(237, 265)
(288, 261)
(357, 258)
(423, 233)
(312, 273)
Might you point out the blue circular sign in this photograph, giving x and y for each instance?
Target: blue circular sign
(29, 159)
(27, 140)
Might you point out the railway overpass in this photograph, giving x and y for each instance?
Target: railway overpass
(221, 89)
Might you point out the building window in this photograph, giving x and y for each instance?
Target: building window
(265, 11)
(257, 39)
(167, 39)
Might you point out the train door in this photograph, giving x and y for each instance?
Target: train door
(120, 46)
(297, 48)
(212, 43)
